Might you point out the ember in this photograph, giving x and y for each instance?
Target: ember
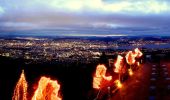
(130, 72)
(119, 84)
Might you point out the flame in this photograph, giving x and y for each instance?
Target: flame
(47, 90)
(118, 83)
(100, 76)
(130, 72)
(138, 52)
(130, 58)
(138, 63)
(20, 92)
(118, 64)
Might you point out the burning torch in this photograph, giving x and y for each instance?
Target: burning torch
(138, 55)
(130, 59)
(118, 67)
(99, 77)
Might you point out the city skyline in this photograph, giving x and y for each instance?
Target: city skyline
(85, 18)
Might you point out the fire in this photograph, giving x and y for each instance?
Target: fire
(20, 92)
(47, 90)
(118, 83)
(138, 52)
(100, 76)
(130, 58)
(118, 64)
(138, 63)
(130, 72)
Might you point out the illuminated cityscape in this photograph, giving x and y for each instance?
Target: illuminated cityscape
(69, 49)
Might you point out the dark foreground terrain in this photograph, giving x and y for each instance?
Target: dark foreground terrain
(75, 79)
(150, 82)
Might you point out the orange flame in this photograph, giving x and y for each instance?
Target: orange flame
(138, 52)
(100, 76)
(138, 64)
(130, 72)
(47, 90)
(118, 83)
(130, 58)
(20, 92)
(118, 64)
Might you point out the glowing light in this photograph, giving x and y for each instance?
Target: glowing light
(130, 58)
(138, 63)
(118, 83)
(20, 92)
(100, 76)
(47, 90)
(130, 72)
(138, 53)
(118, 64)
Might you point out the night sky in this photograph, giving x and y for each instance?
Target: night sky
(85, 17)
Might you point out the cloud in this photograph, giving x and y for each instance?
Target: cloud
(1, 10)
(51, 14)
(152, 6)
(128, 6)
(103, 6)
